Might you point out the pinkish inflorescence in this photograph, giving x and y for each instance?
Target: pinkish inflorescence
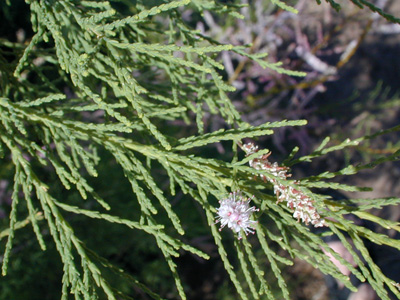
(235, 213)
(301, 204)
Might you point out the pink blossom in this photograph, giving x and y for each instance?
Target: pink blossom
(235, 213)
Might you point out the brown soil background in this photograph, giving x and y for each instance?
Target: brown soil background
(376, 60)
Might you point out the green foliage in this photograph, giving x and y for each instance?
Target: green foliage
(92, 109)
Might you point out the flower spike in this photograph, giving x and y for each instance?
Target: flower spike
(301, 204)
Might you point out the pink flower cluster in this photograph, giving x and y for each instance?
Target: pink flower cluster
(301, 204)
(235, 213)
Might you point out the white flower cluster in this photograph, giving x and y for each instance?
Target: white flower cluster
(235, 213)
(302, 205)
